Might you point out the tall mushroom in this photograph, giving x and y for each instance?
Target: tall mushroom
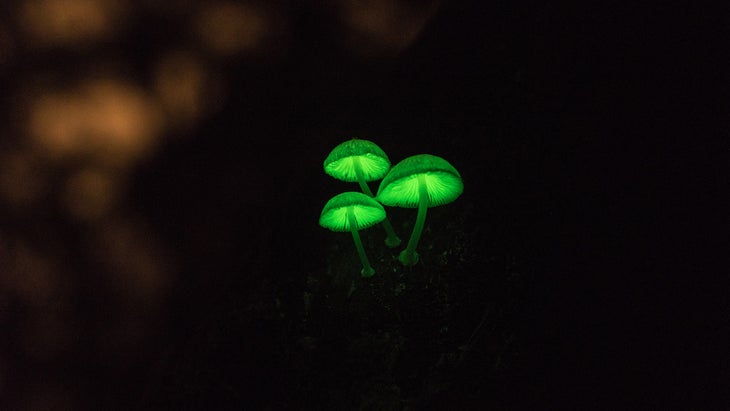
(361, 161)
(353, 211)
(419, 181)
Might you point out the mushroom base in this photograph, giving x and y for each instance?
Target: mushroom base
(408, 259)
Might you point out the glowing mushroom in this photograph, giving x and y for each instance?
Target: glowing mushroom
(353, 211)
(361, 161)
(420, 181)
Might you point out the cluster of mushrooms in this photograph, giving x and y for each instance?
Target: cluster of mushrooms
(419, 181)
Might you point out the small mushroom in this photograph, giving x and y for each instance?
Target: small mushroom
(361, 161)
(353, 211)
(419, 181)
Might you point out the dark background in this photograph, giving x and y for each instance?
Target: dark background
(161, 182)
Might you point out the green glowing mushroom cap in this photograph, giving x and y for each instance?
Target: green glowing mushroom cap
(342, 161)
(366, 210)
(400, 187)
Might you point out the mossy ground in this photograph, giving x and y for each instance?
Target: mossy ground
(408, 336)
(319, 336)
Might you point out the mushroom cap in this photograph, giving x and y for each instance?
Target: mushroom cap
(367, 211)
(400, 187)
(340, 163)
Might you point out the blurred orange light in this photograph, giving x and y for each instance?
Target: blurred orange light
(124, 120)
(381, 26)
(108, 119)
(56, 123)
(182, 85)
(69, 22)
(228, 27)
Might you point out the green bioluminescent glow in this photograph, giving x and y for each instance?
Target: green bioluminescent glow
(361, 161)
(419, 181)
(353, 211)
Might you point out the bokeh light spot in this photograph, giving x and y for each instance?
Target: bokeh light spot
(374, 27)
(183, 86)
(111, 120)
(227, 28)
(70, 22)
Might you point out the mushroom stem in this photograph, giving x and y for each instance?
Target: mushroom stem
(409, 256)
(360, 178)
(391, 240)
(367, 270)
